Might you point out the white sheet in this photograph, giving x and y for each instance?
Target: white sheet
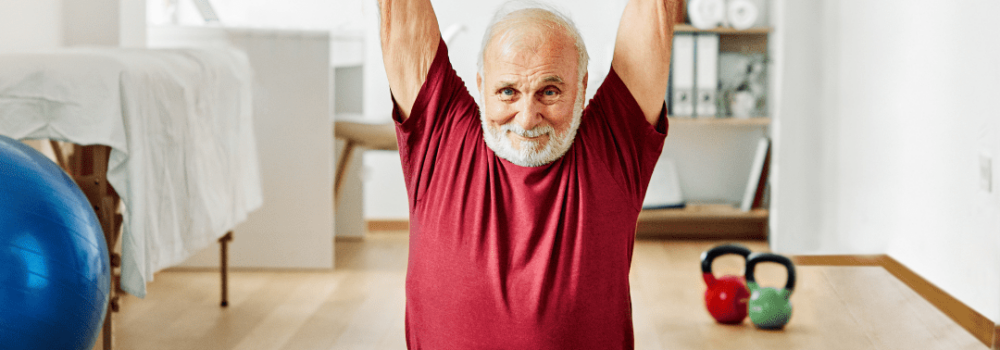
(183, 152)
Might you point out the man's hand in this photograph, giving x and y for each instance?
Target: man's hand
(410, 38)
(642, 51)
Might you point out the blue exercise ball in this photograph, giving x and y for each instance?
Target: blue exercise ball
(54, 271)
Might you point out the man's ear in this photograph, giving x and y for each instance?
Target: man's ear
(479, 83)
(586, 77)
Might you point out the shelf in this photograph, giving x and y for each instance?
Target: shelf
(687, 28)
(704, 221)
(753, 40)
(720, 121)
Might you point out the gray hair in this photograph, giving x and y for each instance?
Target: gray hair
(554, 16)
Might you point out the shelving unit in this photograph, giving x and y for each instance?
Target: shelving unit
(704, 221)
(713, 221)
(719, 121)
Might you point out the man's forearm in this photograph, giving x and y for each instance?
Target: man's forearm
(642, 51)
(410, 37)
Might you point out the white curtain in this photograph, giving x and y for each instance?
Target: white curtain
(290, 14)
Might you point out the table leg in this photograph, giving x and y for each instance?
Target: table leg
(224, 266)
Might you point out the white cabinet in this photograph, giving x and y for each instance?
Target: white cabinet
(292, 108)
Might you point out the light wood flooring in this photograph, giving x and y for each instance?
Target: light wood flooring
(360, 306)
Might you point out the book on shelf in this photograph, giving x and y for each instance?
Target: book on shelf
(753, 197)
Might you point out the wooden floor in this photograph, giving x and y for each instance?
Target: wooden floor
(360, 306)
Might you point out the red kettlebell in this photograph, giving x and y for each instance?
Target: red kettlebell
(726, 297)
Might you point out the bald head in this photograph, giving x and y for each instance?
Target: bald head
(522, 24)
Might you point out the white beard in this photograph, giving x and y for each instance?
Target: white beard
(530, 155)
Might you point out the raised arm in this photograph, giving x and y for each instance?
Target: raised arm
(642, 51)
(410, 38)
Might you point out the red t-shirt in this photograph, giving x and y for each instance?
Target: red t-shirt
(510, 257)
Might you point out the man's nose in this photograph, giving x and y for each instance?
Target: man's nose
(530, 114)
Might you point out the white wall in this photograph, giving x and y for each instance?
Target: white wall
(944, 93)
(104, 23)
(800, 160)
(44, 24)
(886, 108)
(30, 24)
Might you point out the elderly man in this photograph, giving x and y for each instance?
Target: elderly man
(523, 208)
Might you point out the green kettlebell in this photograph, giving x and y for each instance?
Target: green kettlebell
(769, 308)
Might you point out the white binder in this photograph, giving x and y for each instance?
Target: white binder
(682, 76)
(707, 52)
(664, 190)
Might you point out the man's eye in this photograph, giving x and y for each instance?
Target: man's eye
(550, 93)
(507, 92)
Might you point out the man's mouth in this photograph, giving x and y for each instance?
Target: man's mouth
(526, 137)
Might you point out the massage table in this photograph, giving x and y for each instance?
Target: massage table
(358, 134)
(160, 141)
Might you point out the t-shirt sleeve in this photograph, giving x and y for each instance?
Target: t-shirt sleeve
(617, 135)
(442, 123)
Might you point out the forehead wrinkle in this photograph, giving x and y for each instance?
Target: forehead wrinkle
(522, 39)
(530, 42)
(528, 57)
(525, 64)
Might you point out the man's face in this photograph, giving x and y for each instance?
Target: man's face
(531, 93)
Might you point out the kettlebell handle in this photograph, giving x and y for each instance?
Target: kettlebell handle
(709, 255)
(769, 257)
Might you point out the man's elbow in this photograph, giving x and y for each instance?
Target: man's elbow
(674, 11)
